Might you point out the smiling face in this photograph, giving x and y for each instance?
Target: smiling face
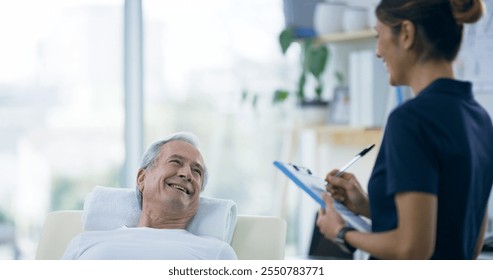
(393, 54)
(171, 186)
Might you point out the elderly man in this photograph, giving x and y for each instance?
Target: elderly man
(169, 182)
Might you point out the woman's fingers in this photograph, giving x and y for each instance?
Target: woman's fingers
(328, 201)
(338, 181)
(329, 221)
(337, 193)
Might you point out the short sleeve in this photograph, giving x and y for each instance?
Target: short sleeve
(411, 161)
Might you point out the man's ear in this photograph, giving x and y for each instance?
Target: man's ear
(407, 34)
(140, 179)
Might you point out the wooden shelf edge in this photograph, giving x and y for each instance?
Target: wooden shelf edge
(346, 36)
(349, 136)
(342, 135)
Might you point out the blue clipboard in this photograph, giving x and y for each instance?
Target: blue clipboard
(315, 186)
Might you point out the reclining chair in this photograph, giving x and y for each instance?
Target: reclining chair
(253, 238)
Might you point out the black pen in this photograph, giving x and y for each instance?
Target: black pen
(355, 159)
(345, 167)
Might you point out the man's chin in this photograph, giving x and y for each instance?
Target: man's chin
(180, 203)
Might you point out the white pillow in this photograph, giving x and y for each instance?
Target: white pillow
(107, 208)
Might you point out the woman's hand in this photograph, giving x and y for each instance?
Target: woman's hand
(329, 221)
(347, 190)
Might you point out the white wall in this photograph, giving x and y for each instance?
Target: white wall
(486, 99)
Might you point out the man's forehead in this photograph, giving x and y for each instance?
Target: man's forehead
(183, 150)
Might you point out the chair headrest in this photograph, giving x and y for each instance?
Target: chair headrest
(107, 208)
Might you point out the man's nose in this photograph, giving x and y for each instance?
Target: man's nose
(185, 173)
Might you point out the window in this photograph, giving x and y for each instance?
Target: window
(62, 101)
(61, 111)
(199, 58)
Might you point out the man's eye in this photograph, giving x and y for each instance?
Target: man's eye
(175, 161)
(198, 171)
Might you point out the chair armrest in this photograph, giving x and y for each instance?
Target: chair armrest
(259, 238)
(59, 228)
(254, 238)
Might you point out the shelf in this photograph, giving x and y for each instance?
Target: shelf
(351, 136)
(340, 135)
(347, 36)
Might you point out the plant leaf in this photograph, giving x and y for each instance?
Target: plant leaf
(318, 58)
(286, 38)
(280, 95)
(301, 86)
(255, 101)
(244, 95)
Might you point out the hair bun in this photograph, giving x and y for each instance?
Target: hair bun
(467, 11)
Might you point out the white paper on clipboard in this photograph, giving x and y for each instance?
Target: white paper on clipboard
(314, 187)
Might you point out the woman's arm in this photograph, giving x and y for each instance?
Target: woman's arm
(479, 244)
(414, 237)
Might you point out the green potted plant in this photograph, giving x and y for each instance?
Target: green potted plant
(313, 60)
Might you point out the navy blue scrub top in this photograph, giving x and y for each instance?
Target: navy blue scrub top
(440, 142)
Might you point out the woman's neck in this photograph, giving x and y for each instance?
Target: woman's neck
(423, 74)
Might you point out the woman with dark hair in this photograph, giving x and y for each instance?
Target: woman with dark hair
(428, 192)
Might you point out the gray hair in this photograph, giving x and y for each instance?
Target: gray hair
(152, 153)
